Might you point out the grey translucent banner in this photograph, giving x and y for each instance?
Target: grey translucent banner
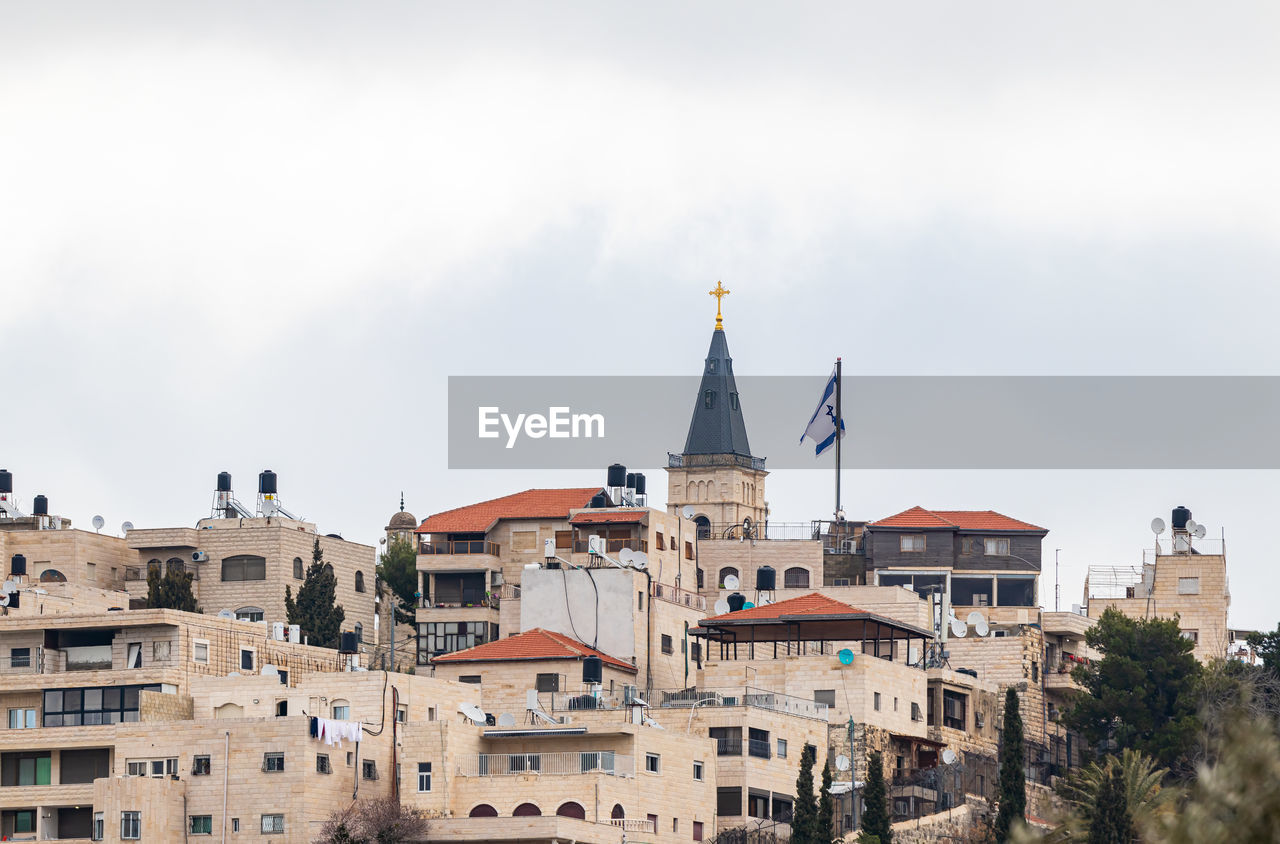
(891, 422)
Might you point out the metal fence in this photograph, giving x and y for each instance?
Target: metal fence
(550, 764)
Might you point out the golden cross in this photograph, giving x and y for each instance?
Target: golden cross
(719, 293)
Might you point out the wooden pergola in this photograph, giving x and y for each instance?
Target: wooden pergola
(784, 628)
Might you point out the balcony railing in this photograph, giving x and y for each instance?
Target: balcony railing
(675, 595)
(684, 461)
(729, 746)
(759, 748)
(634, 825)
(741, 696)
(466, 546)
(547, 764)
(490, 600)
(30, 664)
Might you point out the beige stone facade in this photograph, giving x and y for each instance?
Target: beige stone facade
(77, 556)
(722, 489)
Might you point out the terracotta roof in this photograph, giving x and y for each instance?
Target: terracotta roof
(530, 504)
(604, 517)
(918, 517)
(535, 644)
(811, 604)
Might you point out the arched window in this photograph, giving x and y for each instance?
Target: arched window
(154, 566)
(52, 576)
(297, 568)
(250, 614)
(796, 578)
(484, 810)
(725, 573)
(359, 632)
(704, 527)
(526, 810)
(244, 567)
(341, 710)
(359, 581)
(328, 569)
(175, 565)
(699, 578)
(618, 812)
(572, 810)
(229, 710)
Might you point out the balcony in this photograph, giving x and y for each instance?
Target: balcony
(33, 663)
(467, 546)
(613, 546)
(741, 696)
(547, 764)
(674, 595)
(760, 748)
(634, 825)
(685, 461)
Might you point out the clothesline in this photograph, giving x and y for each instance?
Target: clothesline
(334, 732)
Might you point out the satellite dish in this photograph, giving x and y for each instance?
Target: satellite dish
(649, 722)
(126, 527)
(9, 586)
(626, 556)
(748, 605)
(1157, 526)
(958, 628)
(1191, 525)
(949, 756)
(4, 599)
(640, 560)
(226, 614)
(731, 582)
(842, 763)
(764, 602)
(846, 658)
(1200, 531)
(688, 511)
(270, 670)
(98, 522)
(474, 713)
(506, 719)
(722, 606)
(978, 622)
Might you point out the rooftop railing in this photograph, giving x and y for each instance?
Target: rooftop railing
(466, 546)
(547, 764)
(676, 595)
(740, 696)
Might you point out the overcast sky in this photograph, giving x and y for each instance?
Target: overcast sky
(252, 235)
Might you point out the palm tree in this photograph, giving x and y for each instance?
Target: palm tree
(1146, 800)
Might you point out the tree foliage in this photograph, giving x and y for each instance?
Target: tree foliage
(1141, 694)
(824, 831)
(875, 794)
(316, 610)
(1111, 823)
(804, 818)
(1145, 798)
(398, 568)
(1268, 647)
(171, 591)
(1013, 784)
(377, 821)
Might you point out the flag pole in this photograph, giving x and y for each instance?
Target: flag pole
(839, 429)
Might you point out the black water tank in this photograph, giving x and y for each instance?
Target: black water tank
(18, 565)
(640, 483)
(617, 475)
(1181, 515)
(766, 579)
(224, 482)
(348, 644)
(592, 670)
(736, 600)
(598, 501)
(631, 480)
(267, 482)
(6, 480)
(40, 506)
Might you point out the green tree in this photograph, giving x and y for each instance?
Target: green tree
(805, 815)
(316, 610)
(171, 591)
(1145, 799)
(1013, 785)
(824, 826)
(398, 568)
(1141, 694)
(1268, 647)
(875, 796)
(1111, 823)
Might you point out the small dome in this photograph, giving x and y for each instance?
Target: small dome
(402, 520)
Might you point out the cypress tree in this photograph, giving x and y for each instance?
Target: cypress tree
(172, 591)
(1111, 823)
(805, 816)
(1013, 786)
(316, 610)
(824, 829)
(875, 796)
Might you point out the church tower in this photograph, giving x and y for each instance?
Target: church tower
(716, 473)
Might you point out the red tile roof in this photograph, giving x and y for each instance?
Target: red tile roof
(811, 604)
(918, 517)
(530, 504)
(535, 644)
(605, 517)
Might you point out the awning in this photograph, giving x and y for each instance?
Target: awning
(536, 732)
(917, 740)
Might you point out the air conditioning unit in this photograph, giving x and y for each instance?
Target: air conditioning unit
(497, 578)
(200, 557)
(595, 545)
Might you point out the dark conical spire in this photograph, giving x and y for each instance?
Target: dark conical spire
(717, 426)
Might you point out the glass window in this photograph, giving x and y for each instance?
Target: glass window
(370, 769)
(131, 825)
(297, 568)
(250, 614)
(24, 821)
(827, 696)
(729, 801)
(1012, 591)
(22, 719)
(970, 591)
(547, 682)
(244, 567)
(359, 581)
(273, 761)
(200, 652)
(782, 748)
(995, 547)
(246, 659)
(911, 543)
(322, 764)
(796, 577)
(341, 710)
(667, 647)
(424, 776)
(202, 824)
(652, 762)
(20, 657)
(99, 827)
(200, 766)
(697, 771)
(272, 824)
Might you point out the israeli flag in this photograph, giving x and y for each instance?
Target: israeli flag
(822, 425)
